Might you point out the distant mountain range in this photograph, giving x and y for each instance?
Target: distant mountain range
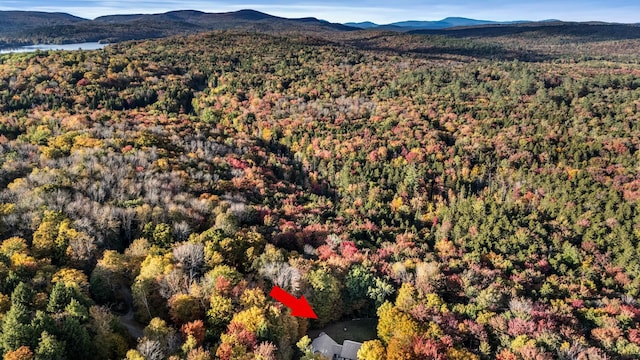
(30, 27)
(445, 23)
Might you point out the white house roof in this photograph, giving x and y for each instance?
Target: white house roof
(326, 346)
(350, 349)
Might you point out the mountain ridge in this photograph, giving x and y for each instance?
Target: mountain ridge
(13, 20)
(27, 28)
(446, 23)
(31, 27)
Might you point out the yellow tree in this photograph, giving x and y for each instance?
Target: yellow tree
(53, 236)
(220, 312)
(44, 238)
(461, 354)
(16, 249)
(394, 323)
(372, 350)
(253, 320)
(400, 349)
(72, 278)
(146, 292)
(13, 245)
(184, 308)
(406, 298)
(326, 300)
(253, 297)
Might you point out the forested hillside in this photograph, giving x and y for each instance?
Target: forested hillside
(478, 197)
(28, 28)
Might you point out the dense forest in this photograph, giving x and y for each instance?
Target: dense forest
(477, 197)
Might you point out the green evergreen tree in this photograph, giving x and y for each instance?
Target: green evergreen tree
(16, 330)
(77, 339)
(357, 284)
(59, 298)
(77, 310)
(42, 322)
(22, 294)
(50, 348)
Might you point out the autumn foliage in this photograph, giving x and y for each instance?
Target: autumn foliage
(477, 206)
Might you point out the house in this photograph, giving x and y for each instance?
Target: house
(350, 350)
(326, 346)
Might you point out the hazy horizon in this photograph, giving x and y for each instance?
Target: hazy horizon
(622, 11)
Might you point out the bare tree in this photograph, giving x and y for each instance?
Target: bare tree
(521, 307)
(82, 247)
(282, 274)
(191, 257)
(151, 349)
(181, 231)
(174, 282)
(126, 217)
(142, 296)
(266, 351)
(333, 241)
(173, 342)
(428, 277)
(400, 273)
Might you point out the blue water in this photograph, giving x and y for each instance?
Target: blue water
(79, 46)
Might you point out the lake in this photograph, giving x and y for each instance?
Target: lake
(78, 46)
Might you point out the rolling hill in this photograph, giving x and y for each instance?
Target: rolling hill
(11, 21)
(546, 29)
(34, 27)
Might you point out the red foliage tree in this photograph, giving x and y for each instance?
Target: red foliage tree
(196, 329)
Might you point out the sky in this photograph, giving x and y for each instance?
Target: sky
(382, 12)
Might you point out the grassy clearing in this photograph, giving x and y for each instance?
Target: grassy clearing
(357, 330)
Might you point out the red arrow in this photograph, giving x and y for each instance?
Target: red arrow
(299, 307)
